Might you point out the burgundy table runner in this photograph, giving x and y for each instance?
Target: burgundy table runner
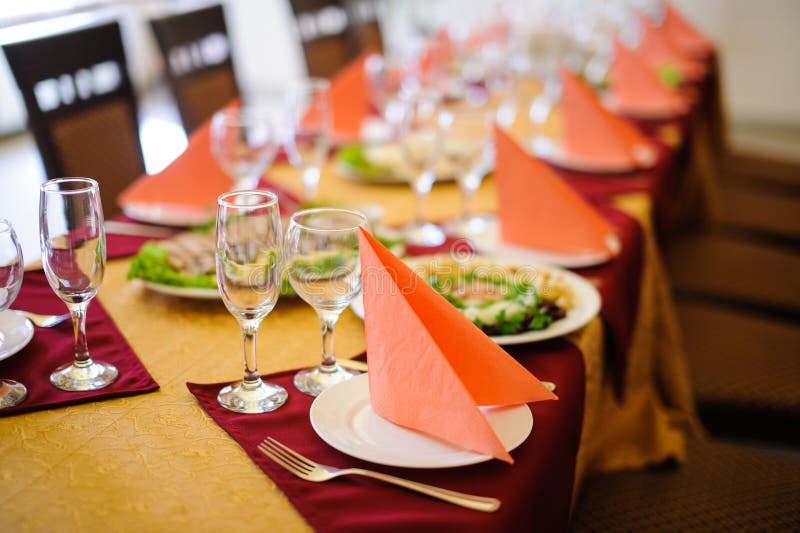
(53, 347)
(536, 491)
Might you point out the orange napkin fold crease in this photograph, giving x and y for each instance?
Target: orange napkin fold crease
(635, 86)
(684, 35)
(429, 366)
(592, 133)
(658, 50)
(191, 183)
(536, 208)
(350, 100)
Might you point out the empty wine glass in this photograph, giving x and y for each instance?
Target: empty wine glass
(249, 270)
(468, 147)
(11, 392)
(244, 143)
(421, 145)
(323, 267)
(73, 241)
(308, 103)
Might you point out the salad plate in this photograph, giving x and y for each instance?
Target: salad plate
(554, 152)
(573, 300)
(194, 293)
(343, 417)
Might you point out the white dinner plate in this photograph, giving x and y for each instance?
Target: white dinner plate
(488, 243)
(586, 305)
(645, 157)
(343, 417)
(183, 292)
(167, 215)
(16, 332)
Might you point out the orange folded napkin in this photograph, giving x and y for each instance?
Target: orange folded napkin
(350, 100)
(684, 35)
(635, 87)
(536, 208)
(189, 184)
(593, 134)
(659, 51)
(437, 55)
(429, 366)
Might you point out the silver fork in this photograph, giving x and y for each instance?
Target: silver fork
(43, 321)
(307, 469)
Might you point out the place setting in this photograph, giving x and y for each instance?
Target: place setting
(72, 239)
(392, 416)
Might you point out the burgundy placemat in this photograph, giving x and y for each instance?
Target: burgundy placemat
(53, 347)
(536, 491)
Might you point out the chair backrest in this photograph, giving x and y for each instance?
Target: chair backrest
(81, 106)
(199, 65)
(364, 17)
(327, 34)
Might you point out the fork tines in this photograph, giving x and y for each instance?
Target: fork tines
(286, 457)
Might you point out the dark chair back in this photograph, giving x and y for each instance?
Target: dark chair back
(327, 33)
(199, 66)
(364, 17)
(81, 106)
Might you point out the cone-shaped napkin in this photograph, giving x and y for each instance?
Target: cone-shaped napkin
(635, 87)
(350, 100)
(659, 51)
(189, 186)
(429, 366)
(595, 135)
(536, 208)
(685, 36)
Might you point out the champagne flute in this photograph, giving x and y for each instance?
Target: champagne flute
(73, 242)
(421, 145)
(249, 269)
(308, 104)
(323, 267)
(11, 392)
(244, 143)
(468, 147)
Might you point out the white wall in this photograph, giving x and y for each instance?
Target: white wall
(759, 42)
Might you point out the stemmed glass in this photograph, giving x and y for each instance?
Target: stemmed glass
(323, 267)
(421, 145)
(468, 147)
(244, 143)
(11, 392)
(249, 269)
(308, 103)
(73, 242)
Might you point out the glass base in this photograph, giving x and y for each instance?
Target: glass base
(88, 375)
(426, 234)
(11, 393)
(313, 381)
(252, 398)
(469, 227)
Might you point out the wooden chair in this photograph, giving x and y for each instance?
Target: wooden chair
(81, 106)
(197, 53)
(327, 35)
(364, 17)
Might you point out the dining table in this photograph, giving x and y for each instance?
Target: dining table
(164, 458)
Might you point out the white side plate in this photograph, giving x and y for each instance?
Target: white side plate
(343, 417)
(16, 332)
(183, 292)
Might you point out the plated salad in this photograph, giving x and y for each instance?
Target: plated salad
(499, 299)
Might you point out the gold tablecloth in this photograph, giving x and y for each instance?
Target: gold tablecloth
(156, 462)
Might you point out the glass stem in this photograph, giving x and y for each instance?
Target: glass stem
(310, 182)
(468, 195)
(78, 312)
(249, 332)
(328, 322)
(422, 187)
